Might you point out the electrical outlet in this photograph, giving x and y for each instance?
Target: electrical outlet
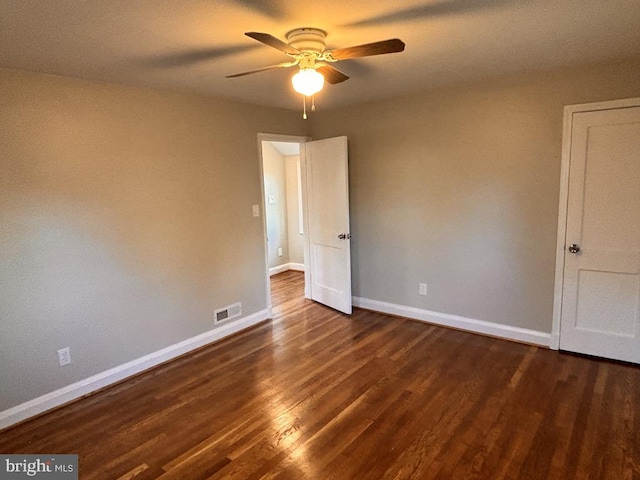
(256, 210)
(422, 290)
(280, 251)
(64, 357)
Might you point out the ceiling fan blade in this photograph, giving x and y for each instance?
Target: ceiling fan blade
(273, 42)
(332, 74)
(376, 48)
(263, 69)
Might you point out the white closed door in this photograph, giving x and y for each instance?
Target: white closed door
(327, 194)
(600, 312)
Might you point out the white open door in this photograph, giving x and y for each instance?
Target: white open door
(327, 194)
(600, 311)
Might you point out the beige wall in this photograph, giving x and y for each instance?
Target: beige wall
(125, 220)
(125, 214)
(273, 166)
(296, 240)
(458, 188)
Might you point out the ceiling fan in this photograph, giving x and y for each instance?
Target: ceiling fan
(306, 48)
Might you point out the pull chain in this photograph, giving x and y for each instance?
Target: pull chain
(304, 107)
(313, 103)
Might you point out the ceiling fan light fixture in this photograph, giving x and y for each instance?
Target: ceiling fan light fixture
(308, 81)
(306, 50)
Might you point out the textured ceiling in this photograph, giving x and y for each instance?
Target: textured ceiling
(192, 44)
(286, 148)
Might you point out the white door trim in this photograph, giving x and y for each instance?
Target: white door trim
(569, 111)
(275, 137)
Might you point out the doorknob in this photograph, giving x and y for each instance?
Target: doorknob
(344, 236)
(574, 248)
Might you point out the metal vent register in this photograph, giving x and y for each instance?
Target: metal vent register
(227, 313)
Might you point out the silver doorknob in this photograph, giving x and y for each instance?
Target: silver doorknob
(574, 248)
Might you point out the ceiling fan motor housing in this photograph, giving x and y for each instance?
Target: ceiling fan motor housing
(307, 39)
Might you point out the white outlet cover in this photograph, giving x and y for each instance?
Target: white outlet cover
(64, 357)
(256, 210)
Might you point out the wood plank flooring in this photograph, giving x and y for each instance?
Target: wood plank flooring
(314, 394)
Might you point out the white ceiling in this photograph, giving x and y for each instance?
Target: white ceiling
(192, 44)
(286, 148)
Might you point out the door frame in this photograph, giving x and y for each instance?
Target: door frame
(276, 137)
(569, 111)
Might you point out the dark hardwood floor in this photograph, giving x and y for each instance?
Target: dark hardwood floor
(314, 394)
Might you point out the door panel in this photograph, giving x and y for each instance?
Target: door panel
(601, 290)
(607, 302)
(328, 205)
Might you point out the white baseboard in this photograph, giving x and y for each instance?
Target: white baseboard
(299, 267)
(463, 323)
(108, 377)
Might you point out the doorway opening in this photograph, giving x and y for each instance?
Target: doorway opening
(321, 218)
(282, 175)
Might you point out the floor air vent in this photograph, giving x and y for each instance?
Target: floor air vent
(227, 313)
